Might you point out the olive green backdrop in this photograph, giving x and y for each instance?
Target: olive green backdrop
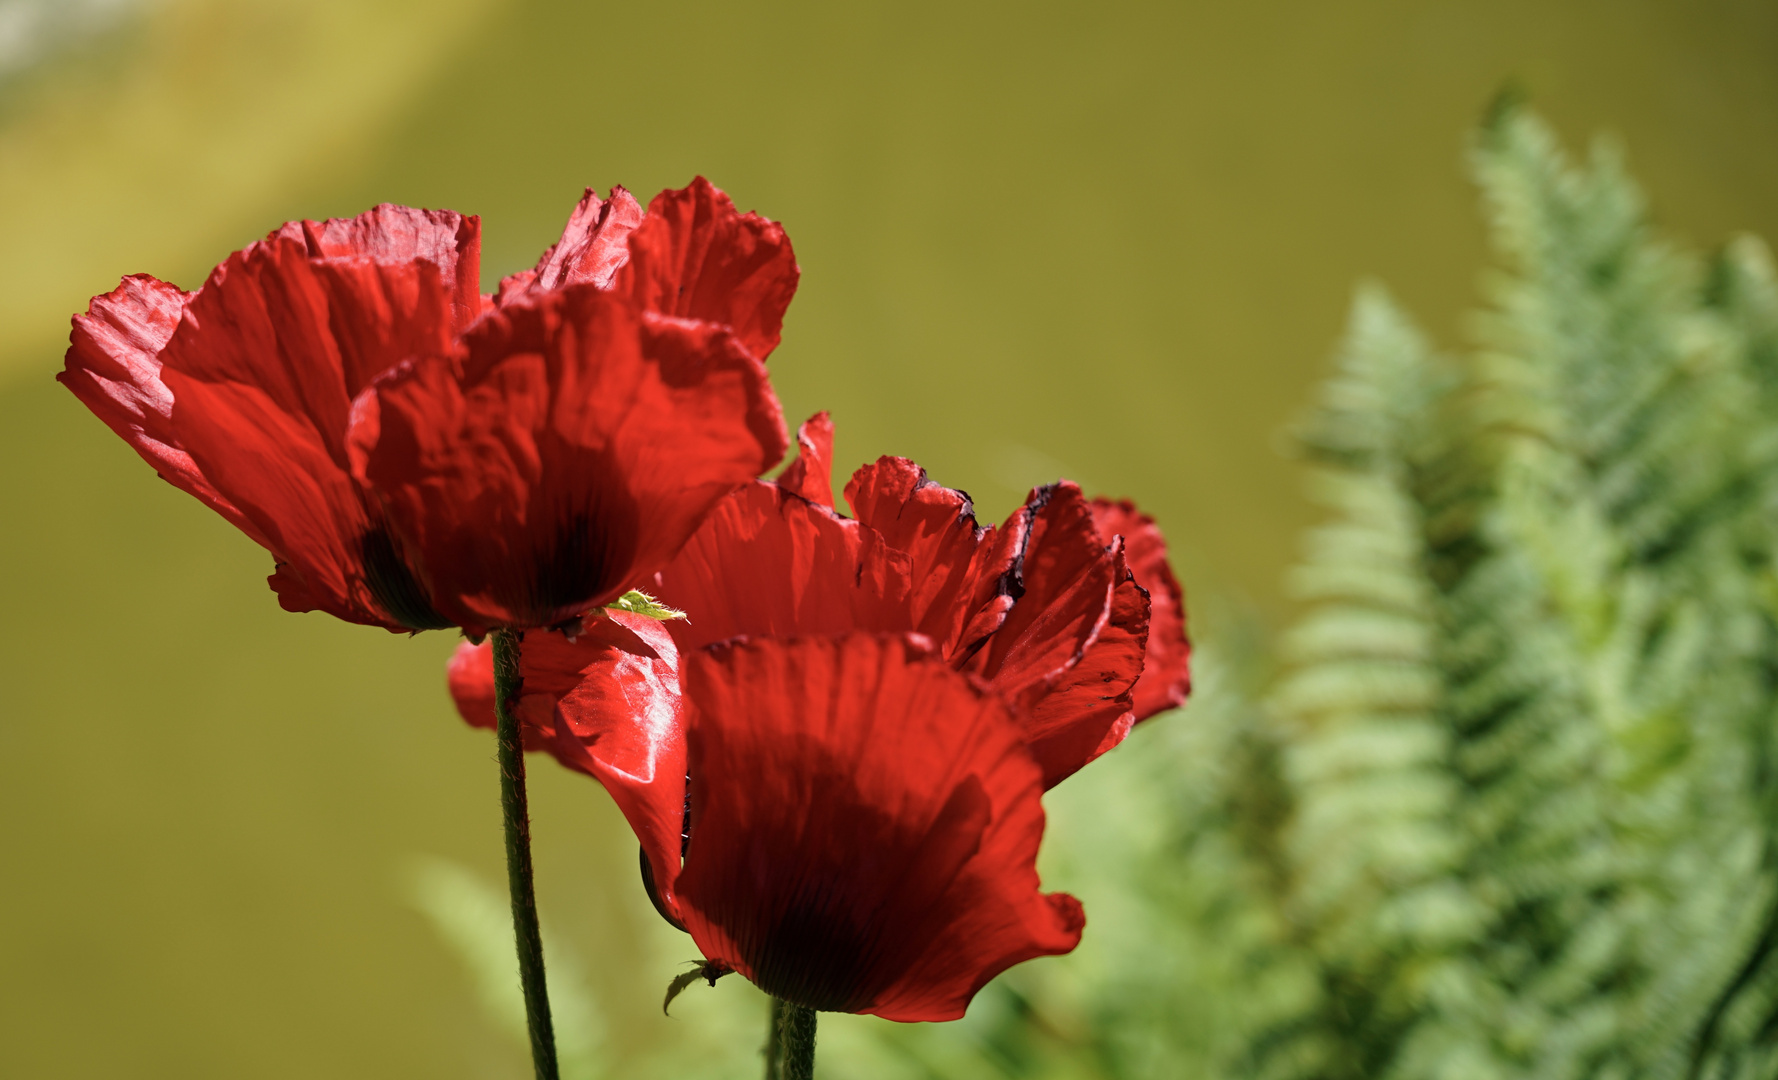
(1111, 241)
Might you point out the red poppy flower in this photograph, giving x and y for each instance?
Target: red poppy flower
(1043, 609)
(862, 823)
(864, 827)
(415, 455)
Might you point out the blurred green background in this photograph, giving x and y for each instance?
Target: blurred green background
(1114, 242)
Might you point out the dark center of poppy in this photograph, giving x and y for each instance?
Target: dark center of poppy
(817, 953)
(572, 569)
(591, 549)
(394, 585)
(833, 939)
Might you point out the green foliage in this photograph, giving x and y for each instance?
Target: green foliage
(1502, 802)
(475, 921)
(1525, 722)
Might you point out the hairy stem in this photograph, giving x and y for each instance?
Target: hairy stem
(775, 1042)
(796, 1040)
(516, 813)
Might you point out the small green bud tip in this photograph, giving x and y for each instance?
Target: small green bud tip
(640, 603)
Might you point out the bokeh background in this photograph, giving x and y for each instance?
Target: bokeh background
(1114, 242)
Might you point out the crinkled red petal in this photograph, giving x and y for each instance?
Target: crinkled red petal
(865, 825)
(1068, 651)
(811, 474)
(694, 256)
(1090, 708)
(261, 371)
(961, 572)
(565, 456)
(623, 722)
(594, 244)
(770, 563)
(114, 367)
(1065, 581)
(607, 703)
(1166, 671)
(239, 393)
(395, 235)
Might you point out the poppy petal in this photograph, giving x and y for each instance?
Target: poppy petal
(694, 256)
(623, 722)
(865, 825)
(114, 367)
(1062, 581)
(1166, 671)
(394, 234)
(961, 572)
(566, 456)
(606, 703)
(767, 562)
(593, 245)
(470, 679)
(1090, 708)
(261, 370)
(811, 474)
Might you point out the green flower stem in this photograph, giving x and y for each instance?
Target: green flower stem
(796, 1041)
(775, 1044)
(516, 812)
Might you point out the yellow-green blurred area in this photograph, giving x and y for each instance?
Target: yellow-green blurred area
(1114, 242)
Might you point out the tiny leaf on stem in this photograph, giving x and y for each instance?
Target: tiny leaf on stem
(641, 603)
